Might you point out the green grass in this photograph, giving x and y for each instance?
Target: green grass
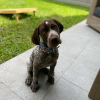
(15, 37)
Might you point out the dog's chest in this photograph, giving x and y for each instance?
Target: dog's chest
(42, 59)
(48, 59)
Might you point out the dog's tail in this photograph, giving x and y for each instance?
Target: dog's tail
(45, 70)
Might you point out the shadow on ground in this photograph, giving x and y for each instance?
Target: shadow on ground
(11, 16)
(30, 20)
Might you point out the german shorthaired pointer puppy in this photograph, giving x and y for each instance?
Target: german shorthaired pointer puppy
(47, 38)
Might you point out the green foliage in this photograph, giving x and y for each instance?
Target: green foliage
(15, 37)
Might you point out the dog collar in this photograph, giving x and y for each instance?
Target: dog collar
(46, 49)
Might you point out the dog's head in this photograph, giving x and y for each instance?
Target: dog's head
(49, 30)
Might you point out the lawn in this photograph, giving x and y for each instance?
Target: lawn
(15, 37)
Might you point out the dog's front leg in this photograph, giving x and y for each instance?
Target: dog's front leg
(29, 79)
(34, 85)
(51, 74)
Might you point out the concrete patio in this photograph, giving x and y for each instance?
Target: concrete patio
(77, 66)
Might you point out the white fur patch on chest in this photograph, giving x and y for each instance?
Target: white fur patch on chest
(47, 22)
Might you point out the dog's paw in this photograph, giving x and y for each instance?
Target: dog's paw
(51, 80)
(28, 80)
(34, 87)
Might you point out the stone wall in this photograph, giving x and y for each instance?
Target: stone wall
(78, 2)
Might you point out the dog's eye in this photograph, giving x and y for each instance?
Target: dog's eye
(53, 27)
(43, 30)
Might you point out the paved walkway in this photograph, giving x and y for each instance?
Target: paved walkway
(76, 69)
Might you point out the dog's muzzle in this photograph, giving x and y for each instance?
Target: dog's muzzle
(53, 40)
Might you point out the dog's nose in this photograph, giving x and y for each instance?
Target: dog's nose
(54, 40)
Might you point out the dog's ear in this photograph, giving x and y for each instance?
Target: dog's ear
(35, 37)
(59, 25)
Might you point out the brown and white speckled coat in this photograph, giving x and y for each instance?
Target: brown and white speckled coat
(40, 59)
(49, 30)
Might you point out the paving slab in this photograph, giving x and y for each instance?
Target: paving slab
(63, 63)
(75, 39)
(80, 29)
(84, 69)
(7, 94)
(73, 45)
(65, 90)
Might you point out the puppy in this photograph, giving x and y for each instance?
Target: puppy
(47, 38)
